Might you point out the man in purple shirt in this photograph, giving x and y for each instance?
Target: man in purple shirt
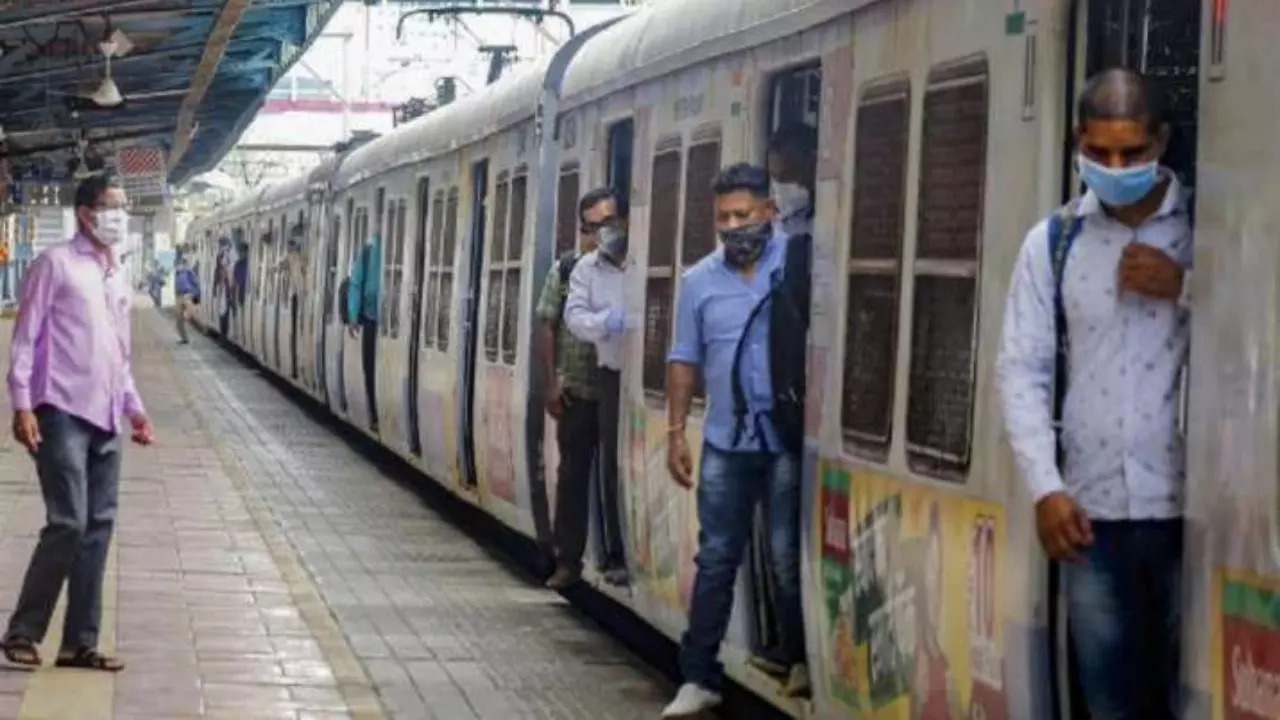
(71, 383)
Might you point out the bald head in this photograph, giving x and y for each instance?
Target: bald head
(1120, 94)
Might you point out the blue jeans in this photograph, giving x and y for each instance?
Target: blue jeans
(729, 486)
(1125, 615)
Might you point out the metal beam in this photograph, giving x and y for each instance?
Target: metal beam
(219, 37)
(44, 149)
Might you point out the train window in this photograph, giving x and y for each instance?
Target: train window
(944, 313)
(874, 270)
(429, 319)
(621, 137)
(796, 96)
(497, 261)
(664, 217)
(393, 290)
(378, 206)
(567, 212)
(445, 301)
(699, 237)
(331, 268)
(511, 295)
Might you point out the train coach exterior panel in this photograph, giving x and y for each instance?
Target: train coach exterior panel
(943, 136)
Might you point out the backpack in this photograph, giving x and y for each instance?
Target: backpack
(565, 266)
(1064, 228)
(788, 316)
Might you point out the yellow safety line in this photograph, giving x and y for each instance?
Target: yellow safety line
(58, 694)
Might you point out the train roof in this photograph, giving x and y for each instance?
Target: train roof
(666, 37)
(282, 193)
(239, 207)
(471, 118)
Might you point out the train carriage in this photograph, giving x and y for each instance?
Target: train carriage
(944, 134)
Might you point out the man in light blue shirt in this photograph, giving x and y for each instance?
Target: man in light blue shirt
(362, 312)
(742, 463)
(1106, 281)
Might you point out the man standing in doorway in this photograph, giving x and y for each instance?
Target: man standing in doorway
(746, 456)
(792, 162)
(594, 313)
(1096, 334)
(70, 381)
(362, 309)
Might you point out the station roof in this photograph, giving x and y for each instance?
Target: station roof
(192, 74)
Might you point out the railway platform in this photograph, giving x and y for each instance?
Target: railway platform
(264, 568)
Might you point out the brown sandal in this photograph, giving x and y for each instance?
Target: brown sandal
(20, 651)
(90, 659)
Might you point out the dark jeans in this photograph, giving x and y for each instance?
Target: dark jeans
(369, 358)
(79, 469)
(729, 486)
(610, 386)
(1124, 609)
(577, 435)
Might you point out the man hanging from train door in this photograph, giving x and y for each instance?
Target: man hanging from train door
(296, 267)
(223, 285)
(792, 163)
(1095, 338)
(362, 312)
(570, 396)
(594, 313)
(730, 315)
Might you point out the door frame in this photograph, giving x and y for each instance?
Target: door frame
(470, 355)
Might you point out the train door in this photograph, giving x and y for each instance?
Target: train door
(328, 295)
(1162, 41)
(415, 309)
(794, 100)
(470, 311)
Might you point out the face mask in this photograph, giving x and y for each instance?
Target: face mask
(111, 225)
(743, 246)
(612, 241)
(1119, 187)
(790, 198)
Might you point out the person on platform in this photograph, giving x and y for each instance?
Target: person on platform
(1096, 334)
(363, 292)
(187, 286)
(71, 386)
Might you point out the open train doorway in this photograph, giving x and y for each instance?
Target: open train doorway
(1162, 41)
(420, 266)
(794, 98)
(470, 313)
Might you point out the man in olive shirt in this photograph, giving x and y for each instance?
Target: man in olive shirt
(572, 396)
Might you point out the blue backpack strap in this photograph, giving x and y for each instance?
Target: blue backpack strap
(1064, 227)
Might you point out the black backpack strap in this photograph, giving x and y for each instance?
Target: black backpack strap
(739, 395)
(564, 266)
(1064, 226)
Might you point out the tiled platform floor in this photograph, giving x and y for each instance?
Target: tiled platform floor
(263, 569)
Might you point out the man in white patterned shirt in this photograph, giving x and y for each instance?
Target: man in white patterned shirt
(1102, 286)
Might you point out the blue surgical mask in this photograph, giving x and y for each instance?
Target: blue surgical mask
(1119, 187)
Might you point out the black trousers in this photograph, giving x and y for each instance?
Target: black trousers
(369, 358)
(609, 383)
(588, 432)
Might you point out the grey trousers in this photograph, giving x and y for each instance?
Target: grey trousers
(79, 468)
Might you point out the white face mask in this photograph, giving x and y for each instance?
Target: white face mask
(112, 226)
(790, 198)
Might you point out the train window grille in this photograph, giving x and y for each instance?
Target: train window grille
(567, 212)
(397, 273)
(497, 264)
(874, 270)
(699, 238)
(664, 226)
(429, 313)
(944, 311)
(511, 295)
(444, 304)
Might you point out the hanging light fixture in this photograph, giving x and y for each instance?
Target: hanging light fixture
(107, 94)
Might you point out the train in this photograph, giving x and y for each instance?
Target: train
(945, 132)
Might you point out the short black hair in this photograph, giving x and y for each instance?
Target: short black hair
(91, 189)
(794, 139)
(742, 177)
(595, 197)
(1120, 94)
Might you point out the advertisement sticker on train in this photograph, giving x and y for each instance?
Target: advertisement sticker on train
(1248, 648)
(912, 612)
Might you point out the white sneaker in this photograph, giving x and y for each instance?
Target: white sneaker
(691, 701)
